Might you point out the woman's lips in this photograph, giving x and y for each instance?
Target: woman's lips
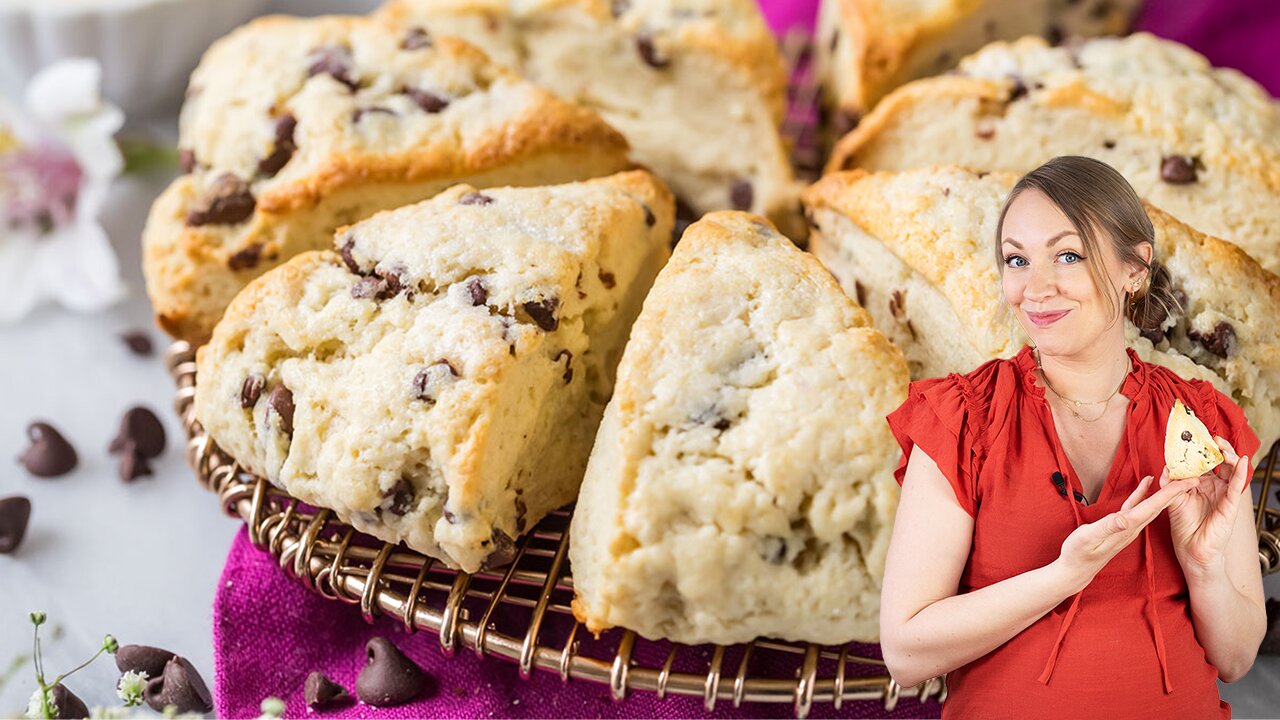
(1046, 319)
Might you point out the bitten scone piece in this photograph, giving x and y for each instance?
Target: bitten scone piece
(742, 483)
(917, 249)
(1201, 143)
(865, 48)
(697, 86)
(293, 127)
(439, 378)
(1189, 449)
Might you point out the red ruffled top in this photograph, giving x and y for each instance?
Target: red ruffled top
(1125, 645)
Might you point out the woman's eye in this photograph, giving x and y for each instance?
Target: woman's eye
(1015, 261)
(1070, 257)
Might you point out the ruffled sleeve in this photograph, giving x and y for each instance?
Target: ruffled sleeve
(935, 417)
(1226, 419)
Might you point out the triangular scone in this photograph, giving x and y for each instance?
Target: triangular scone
(917, 249)
(1198, 142)
(293, 127)
(742, 483)
(1189, 448)
(438, 380)
(696, 86)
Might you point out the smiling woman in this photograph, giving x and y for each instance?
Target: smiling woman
(1036, 558)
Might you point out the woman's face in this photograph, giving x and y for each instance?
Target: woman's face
(1047, 283)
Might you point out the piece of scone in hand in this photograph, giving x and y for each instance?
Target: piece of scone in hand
(293, 127)
(741, 484)
(916, 249)
(696, 86)
(438, 380)
(1189, 448)
(1199, 142)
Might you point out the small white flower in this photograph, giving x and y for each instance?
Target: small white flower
(58, 157)
(131, 686)
(272, 709)
(35, 706)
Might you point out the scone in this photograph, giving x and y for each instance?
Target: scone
(294, 127)
(1189, 449)
(438, 379)
(742, 483)
(865, 48)
(697, 86)
(1200, 143)
(916, 248)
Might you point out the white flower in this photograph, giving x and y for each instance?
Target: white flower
(58, 157)
(272, 709)
(35, 706)
(131, 686)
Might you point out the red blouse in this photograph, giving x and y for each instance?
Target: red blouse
(1122, 647)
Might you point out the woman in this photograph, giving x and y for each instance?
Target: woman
(1033, 557)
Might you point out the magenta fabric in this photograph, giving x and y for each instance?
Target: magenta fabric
(269, 632)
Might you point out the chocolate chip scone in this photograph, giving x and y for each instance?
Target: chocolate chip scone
(742, 483)
(438, 378)
(697, 86)
(916, 249)
(865, 48)
(294, 127)
(1201, 143)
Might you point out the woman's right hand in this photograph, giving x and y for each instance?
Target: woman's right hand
(1090, 547)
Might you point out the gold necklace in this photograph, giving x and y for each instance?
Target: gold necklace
(1078, 403)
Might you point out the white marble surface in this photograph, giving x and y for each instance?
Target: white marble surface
(141, 561)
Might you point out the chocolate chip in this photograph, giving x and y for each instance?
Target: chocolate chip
(15, 512)
(607, 279)
(246, 258)
(429, 380)
(388, 677)
(1155, 335)
(138, 342)
(50, 455)
(141, 427)
(1271, 640)
(450, 517)
(504, 551)
(648, 53)
(133, 464)
(568, 368)
(911, 328)
(1178, 169)
(181, 686)
(321, 693)
(522, 511)
(229, 201)
(895, 303)
(334, 61)
(186, 160)
(69, 706)
(428, 101)
(1018, 89)
(402, 497)
(741, 195)
(251, 390)
(285, 147)
(722, 424)
(281, 402)
(394, 277)
(368, 287)
(1220, 342)
(476, 291)
(475, 198)
(649, 218)
(416, 39)
(347, 248)
(1186, 435)
(359, 113)
(543, 313)
(1109, 144)
(142, 658)
(1054, 35)
(773, 549)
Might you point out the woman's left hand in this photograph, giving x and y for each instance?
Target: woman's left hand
(1201, 520)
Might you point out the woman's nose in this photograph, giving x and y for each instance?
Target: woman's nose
(1040, 284)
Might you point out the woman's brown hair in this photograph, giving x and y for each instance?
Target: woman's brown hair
(1094, 197)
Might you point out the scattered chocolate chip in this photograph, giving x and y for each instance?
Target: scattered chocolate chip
(186, 160)
(1018, 89)
(320, 692)
(860, 293)
(347, 259)
(138, 342)
(522, 511)
(50, 455)
(251, 390)
(449, 517)
(1178, 169)
(394, 277)
(402, 497)
(429, 380)
(141, 427)
(543, 313)
(69, 706)
(229, 201)
(649, 218)
(416, 39)
(1186, 435)
(722, 424)
(285, 147)
(428, 101)
(133, 464)
(1109, 144)
(895, 303)
(1220, 342)
(476, 291)
(475, 198)
(15, 512)
(773, 549)
(607, 279)
(741, 194)
(648, 53)
(246, 258)
(388, 677)
(1054, 35)
(142, 658)
(504, 551)
(568, 364)
(179, 685)
(1271, 640)
(281, 402)
(334, 61)
(359, 113)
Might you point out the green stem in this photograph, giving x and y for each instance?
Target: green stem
(78, 669)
